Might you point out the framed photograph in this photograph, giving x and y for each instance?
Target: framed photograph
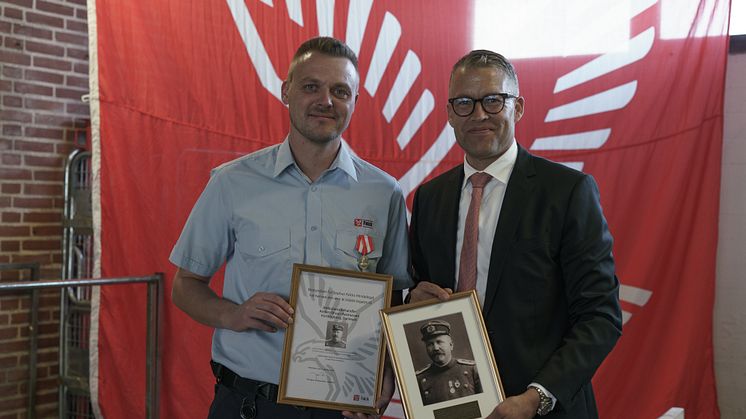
(443, 359)
(334, 349)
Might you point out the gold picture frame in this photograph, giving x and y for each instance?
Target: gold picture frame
(467, 384)
(334, 349)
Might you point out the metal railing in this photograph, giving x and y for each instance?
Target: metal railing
(152, 348)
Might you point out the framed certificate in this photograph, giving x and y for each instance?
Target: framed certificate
(443, 359)
(334, 351)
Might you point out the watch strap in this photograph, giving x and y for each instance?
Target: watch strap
(545, 402)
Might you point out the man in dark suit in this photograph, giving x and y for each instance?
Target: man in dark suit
(530, 236)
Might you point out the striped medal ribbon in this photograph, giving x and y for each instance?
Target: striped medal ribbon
(363, 245)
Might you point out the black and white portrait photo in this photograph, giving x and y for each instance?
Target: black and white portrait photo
(336, 335)
(443, 357)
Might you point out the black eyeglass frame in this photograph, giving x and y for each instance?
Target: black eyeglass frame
(503, 96)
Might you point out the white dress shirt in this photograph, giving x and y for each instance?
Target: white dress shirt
(489, 212)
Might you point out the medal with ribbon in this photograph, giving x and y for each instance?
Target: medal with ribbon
(363, 245)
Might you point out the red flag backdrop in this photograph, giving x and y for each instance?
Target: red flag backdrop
(185, 86)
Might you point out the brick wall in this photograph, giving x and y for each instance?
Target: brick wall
(43, 74)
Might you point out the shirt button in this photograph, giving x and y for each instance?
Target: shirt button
(314, 228)
(261, 248)
(313, 188)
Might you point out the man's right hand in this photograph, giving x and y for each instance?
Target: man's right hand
(263, 311)
(427, 290)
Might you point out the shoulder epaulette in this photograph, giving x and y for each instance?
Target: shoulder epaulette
(424, 369)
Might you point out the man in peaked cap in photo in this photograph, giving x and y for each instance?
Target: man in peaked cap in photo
(446, 378)
(336, 338)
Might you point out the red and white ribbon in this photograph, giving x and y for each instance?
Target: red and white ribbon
(364, 244)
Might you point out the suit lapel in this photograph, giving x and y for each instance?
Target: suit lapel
(517, 193)
(451, 197)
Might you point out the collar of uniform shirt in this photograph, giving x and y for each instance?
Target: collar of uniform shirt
(342, 161)
(500, 169)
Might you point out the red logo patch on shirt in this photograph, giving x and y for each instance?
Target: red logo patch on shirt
(361, 222)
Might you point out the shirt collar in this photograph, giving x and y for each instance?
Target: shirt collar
(343, 160)
(499, 169)
(284, 158)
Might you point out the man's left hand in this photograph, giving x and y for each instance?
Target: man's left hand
(523, 406)
(387, 391)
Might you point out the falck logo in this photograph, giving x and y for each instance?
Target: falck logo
(612, 99)
(386, 43)
(387, 40)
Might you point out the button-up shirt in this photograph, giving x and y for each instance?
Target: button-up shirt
(260, 213)
(489, 212)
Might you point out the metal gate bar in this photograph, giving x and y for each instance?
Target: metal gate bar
(75, 302)
(152, 348)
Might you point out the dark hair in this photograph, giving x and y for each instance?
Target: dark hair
(484, 58)
(325, 45)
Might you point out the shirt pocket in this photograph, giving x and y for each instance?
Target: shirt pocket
(345, 245)
(264, 243)
(266, 256)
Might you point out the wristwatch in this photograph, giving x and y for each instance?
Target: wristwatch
(545, 402)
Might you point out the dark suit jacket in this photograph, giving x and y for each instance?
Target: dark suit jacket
(552, 301)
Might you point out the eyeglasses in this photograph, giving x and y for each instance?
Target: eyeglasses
(464, 106)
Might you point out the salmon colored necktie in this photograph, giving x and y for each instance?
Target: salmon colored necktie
(467, 274)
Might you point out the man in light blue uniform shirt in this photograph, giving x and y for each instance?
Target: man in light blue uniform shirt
(305, 200)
